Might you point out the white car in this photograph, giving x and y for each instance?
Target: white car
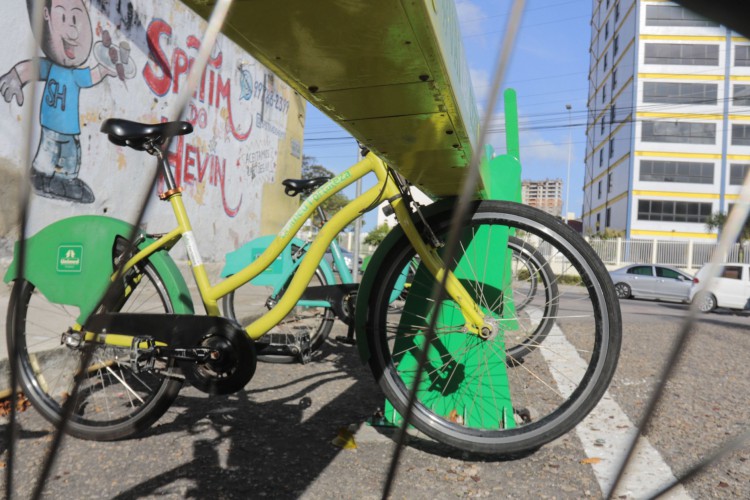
(731, 289)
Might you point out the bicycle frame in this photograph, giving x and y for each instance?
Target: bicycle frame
(386, 189)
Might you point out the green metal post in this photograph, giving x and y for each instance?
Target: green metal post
(489, 403)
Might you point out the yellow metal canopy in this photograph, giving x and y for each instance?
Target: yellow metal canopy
(390, 72)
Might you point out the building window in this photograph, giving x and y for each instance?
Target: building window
(605, 64)
(741, 95)
(617, 11)
(740, 135)
(606, 30)
(602, 125)
(677, 171)
(681, 93)
(599, 190)
(604, 93)
(742, 55)
(598, 221)
(682, 53)
(614, 80)
(609, 183)
(612, 114)
(674, 211)
(669, 15)
(679, 132)
(615, 47)
(608, 218)
(737, 173)
(601, 157)
(611, 147)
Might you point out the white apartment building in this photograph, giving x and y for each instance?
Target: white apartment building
(545, 195)
(668, 133)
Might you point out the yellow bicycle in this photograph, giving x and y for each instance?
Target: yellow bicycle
(144, 340)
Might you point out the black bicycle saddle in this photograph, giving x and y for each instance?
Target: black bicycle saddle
(296, 186)
(137, 135)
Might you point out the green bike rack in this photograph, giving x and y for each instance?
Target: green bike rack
(441, 385)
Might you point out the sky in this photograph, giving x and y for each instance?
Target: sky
(548, 69)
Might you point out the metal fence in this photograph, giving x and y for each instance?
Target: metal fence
(689, 255)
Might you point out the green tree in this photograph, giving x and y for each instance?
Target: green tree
(719, 219)
(310, 170)
(377, 235)
(609, 234)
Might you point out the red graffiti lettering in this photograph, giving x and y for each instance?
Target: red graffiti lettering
(220, 176)
(163, 72)
(190, 152)
(184, 161)
(180, 65)
(225, 90)
(157, 72)
(202, 166)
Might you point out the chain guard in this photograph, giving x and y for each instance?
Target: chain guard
(216, 356)
(230, 366)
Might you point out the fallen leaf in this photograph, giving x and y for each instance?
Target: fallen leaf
(344, 439)
(22, 404)
(592, 460)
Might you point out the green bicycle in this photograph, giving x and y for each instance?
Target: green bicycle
(476, 395)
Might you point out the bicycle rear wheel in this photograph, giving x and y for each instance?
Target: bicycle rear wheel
(114, 401)
(472, 395)
(533, 285)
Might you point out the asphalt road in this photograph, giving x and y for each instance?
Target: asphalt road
(275, 439)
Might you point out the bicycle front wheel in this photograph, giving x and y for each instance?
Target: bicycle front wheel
(113, 401)
(473, 395)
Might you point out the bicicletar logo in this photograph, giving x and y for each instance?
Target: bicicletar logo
(69, 258)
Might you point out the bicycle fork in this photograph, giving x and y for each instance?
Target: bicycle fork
(475, 321)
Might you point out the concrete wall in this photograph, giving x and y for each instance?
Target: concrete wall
(248, 124)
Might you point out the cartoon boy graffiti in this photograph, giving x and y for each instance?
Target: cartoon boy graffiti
(66, 41)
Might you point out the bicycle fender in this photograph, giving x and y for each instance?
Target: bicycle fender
(278, 272)
(369, 280)
(71, 261)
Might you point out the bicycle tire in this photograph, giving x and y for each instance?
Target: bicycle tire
(540, 284)
(527, 266)
(114, 402)
(319, 324)
(453, 404)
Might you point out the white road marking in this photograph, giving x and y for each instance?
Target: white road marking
(606, 432)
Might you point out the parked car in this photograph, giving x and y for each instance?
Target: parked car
(348, 258)
(731, 289)
(652, 281)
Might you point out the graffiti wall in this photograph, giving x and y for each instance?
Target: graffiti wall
(130, 59)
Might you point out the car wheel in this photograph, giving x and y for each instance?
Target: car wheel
(706, 302)
(622, 290)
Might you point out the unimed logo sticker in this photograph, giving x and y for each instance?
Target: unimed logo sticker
(69, 258)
